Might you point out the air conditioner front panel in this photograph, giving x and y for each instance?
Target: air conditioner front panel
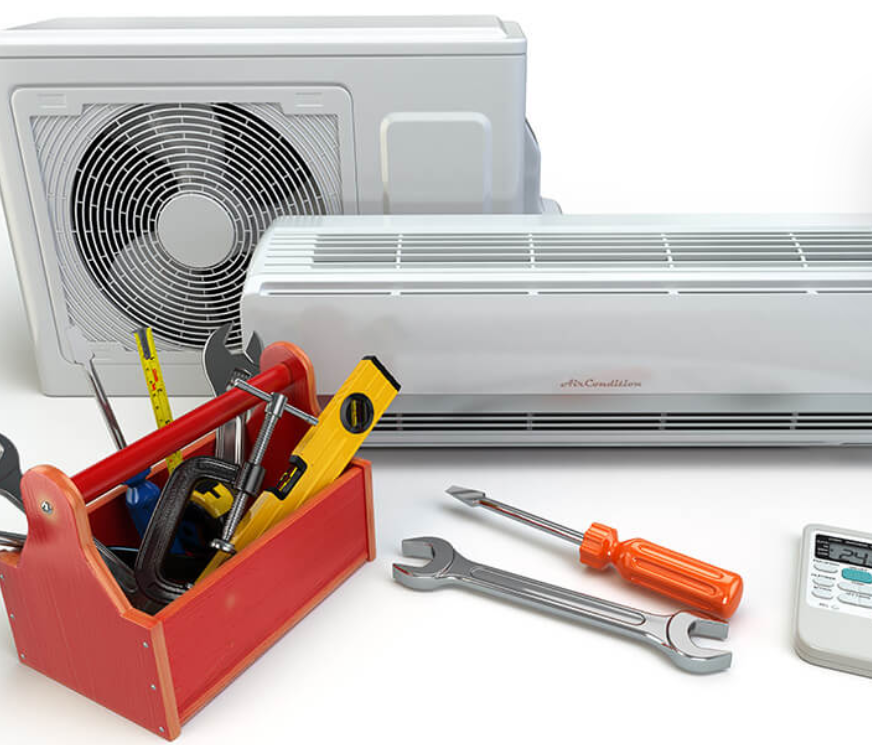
(610, 343)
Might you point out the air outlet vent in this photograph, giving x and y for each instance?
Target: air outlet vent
(607, 423)
(156, 208)
(579, 250)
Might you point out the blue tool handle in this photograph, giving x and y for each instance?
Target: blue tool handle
(141, 499)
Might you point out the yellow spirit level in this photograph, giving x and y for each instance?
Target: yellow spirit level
(323, 453)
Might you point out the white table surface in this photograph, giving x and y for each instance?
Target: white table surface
(377, 662)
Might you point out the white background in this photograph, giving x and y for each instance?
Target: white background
(638, 106)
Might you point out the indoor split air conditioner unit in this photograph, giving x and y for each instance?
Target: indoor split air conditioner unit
(562, 330)
(141, 159)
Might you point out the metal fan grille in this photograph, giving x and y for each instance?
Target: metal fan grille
(111, 172)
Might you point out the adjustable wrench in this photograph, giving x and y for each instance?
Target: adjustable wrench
(671, 634)
(223, 369)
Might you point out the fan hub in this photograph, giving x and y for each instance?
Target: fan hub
(196, 230)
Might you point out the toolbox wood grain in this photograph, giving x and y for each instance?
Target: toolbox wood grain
(71, 622)
(316, 548)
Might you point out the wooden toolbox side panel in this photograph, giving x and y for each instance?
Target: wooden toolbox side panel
(71, 621)
(221, 626)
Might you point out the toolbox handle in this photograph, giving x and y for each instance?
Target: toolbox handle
(141, 455)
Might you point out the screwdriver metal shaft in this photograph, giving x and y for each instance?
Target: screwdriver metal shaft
(474, 498)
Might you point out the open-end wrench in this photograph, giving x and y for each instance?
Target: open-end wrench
(223, 368)
(671, 634)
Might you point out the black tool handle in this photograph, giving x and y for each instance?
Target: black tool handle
(10, 468)
(165, 521)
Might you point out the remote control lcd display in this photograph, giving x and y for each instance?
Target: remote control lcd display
(843, 550)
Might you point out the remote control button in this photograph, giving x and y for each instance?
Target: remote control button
(828, 568)
(819, 592)
(852, 599)
(826, 582)
(857, 575)
(865, 590)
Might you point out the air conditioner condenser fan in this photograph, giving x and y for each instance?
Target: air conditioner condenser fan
(167, 203)
(142, 160)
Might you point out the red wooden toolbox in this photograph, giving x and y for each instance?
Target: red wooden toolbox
(71, 621)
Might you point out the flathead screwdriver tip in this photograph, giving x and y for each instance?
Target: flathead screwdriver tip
(470, 497)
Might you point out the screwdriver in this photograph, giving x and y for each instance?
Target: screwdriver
(142, 494)
(646, 564)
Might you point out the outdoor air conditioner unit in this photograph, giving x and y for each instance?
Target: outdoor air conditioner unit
(564, 330)
(141, 159)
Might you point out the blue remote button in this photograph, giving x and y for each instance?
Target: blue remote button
(857, 575)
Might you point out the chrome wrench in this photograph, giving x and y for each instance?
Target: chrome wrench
(671, 634)
(223, 369)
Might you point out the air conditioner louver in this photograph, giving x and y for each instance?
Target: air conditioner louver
(616, 423)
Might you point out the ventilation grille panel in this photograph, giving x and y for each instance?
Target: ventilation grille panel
(579, 250)
(126, 184)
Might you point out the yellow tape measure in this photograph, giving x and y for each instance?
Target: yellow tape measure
(157, 392)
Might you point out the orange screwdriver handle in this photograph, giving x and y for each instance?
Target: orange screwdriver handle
(667, 572)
